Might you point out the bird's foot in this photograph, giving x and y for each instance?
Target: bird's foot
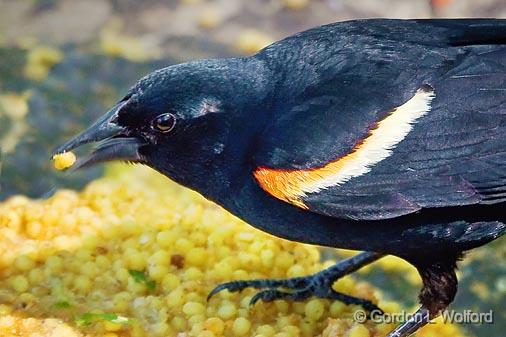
(295, 289)
(302, 288)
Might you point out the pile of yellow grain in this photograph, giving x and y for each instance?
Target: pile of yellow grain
(136, 255)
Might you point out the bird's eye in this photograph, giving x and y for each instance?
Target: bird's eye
(164, 122)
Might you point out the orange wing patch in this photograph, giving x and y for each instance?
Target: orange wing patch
(292, 185)
(282, 184)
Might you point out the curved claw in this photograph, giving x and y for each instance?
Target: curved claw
(230, 286)
(255, 299)
(370, 307)
(235, 286)
(268, 295)
(214, 292)
(366, 304)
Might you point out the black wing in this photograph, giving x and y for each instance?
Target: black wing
(454, 155)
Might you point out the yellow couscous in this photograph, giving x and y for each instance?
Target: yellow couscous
(250, 41)
(136, 255)
(40, 60)
(295, 4)
(63, 161)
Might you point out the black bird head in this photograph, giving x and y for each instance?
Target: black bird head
(180, 120)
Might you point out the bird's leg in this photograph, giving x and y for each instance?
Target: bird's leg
(415, 322)
(301, 288)
(439, 289)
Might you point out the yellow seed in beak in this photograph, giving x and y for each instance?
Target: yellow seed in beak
(64, 160)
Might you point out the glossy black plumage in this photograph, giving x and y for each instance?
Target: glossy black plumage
(311, 99)
(441, 163)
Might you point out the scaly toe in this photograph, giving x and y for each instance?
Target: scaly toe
(233, 286)
(237, 286)
(347, 299)
(270, 295)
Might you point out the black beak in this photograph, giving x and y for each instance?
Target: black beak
(114, 142)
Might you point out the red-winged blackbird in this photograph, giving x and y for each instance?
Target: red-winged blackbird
(385, 136)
